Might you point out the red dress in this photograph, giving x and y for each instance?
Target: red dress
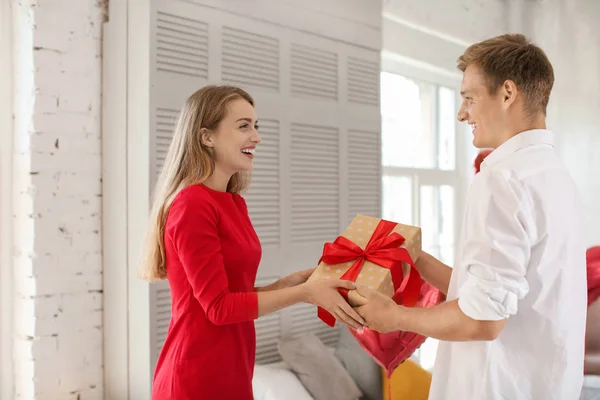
(213, 255)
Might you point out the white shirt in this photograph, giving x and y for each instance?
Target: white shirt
(521, 257)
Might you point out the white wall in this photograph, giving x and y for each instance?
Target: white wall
(464, 20)
(569, 32)
(57, 326)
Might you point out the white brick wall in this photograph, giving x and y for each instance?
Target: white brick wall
(6, 116)
(57, 169)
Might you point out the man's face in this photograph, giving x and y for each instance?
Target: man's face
(482, 110)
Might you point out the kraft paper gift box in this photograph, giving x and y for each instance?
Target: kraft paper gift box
(372, 275)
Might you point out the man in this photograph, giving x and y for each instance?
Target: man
(513, 324)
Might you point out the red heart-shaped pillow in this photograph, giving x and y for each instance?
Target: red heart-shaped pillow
(391, 349)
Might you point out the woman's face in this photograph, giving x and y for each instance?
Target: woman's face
(235, 139)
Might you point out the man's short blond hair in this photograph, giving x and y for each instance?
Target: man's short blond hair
(513, 57)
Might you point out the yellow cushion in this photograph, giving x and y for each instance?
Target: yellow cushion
(409, 382)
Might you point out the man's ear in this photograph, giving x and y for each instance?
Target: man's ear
(509, 92)
(206, 137)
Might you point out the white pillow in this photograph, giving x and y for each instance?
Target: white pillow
(591, 381)
(277, 383)
(321, 373)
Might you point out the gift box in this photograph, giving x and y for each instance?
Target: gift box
(375, 253)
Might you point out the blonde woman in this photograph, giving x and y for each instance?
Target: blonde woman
(201, 239)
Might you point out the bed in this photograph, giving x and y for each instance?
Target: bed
(305, 361)
(591, 388)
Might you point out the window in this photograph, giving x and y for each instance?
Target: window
(420, 175)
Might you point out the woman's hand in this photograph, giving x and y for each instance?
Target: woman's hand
(291, 280)
(297, 278)
(324, 293)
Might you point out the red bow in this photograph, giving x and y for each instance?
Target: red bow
(593, 274)
(383, 249)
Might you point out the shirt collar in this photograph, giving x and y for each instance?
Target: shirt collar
(519, 141)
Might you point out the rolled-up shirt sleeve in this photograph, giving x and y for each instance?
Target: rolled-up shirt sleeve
(497, 249)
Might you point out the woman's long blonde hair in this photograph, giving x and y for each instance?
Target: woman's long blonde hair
(188, 162)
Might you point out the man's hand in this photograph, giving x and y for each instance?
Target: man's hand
(445, 321)
(380, 312)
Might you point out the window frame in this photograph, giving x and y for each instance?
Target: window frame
(460, 177)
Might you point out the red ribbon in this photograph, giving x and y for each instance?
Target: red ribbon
(383, 249)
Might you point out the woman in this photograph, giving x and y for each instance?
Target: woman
(201, 239)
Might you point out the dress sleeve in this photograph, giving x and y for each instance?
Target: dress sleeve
(193, 229)
(497, 249)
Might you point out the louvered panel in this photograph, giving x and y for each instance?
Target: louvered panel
(165, 126)
(268, 332)
(307, 163)
(314, 183)
(314, 72)
(363, 81)
(250, 59)
(163, 317)
(263, 195)
(364, 173)
(305, 320)
(181, 45)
